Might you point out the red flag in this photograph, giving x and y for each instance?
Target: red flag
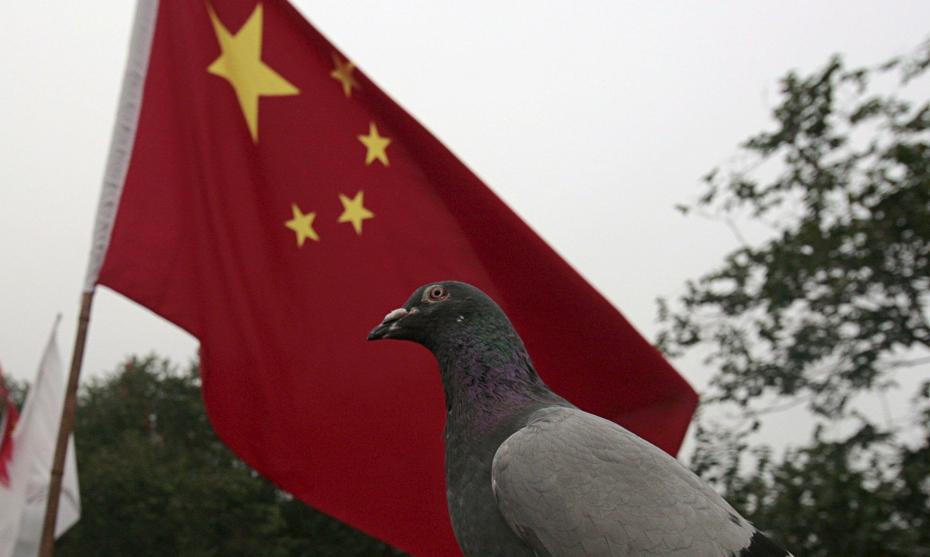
(273, 202)
(8, 418)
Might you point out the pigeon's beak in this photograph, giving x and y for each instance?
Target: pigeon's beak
(388, 325)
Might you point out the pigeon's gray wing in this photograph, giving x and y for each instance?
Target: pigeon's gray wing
(571, 483)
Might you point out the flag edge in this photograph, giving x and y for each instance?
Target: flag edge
(124, 136)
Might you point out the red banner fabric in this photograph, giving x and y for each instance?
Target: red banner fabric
(276, 205)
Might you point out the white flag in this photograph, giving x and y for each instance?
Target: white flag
(34, 448)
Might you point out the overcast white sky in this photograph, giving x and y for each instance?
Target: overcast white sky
(591, 119)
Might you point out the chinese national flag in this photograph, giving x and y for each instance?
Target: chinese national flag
(266, 196)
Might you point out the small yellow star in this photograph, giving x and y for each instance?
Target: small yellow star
(343, 74)
(240, 63)
(302, 224)
(355, 211)
(377, 145)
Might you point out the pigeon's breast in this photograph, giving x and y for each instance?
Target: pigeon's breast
(478, 524)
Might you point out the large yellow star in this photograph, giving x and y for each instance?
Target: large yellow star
(376, 145)
(355, 211)
(302, 224)
(240, 63)
(343, 74)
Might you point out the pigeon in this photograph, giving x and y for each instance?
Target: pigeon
(528, 473)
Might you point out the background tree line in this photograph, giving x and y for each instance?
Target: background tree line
(830, 307)
(156, 481)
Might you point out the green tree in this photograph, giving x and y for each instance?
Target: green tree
(831, 306)
(155, 480)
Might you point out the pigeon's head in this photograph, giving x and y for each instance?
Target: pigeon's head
(440, 310)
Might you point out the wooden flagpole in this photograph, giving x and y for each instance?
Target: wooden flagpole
(47, 546)
(124, 130)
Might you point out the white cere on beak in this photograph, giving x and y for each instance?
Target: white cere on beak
(394, 315)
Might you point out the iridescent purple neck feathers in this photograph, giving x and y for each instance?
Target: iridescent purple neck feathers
(486, 372)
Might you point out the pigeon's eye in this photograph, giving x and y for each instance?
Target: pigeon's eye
(436, 293)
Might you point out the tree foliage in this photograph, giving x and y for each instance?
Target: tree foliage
(833, 304)
(155, 480)
(861, 495)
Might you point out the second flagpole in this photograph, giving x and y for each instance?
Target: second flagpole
(66, 426)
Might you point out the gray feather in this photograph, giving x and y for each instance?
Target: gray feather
(571, 483)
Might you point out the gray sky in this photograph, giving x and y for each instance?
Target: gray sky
(591, 119)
